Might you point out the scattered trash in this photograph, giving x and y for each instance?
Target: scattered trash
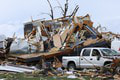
(2, 79)
(72, 76)
(16, 68)
(69, 72)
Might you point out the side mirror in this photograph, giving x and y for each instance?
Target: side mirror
(98, 57)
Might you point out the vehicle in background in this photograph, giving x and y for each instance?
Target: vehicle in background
(115, 45)
(90, 58)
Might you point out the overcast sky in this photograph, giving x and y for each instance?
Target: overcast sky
(14, 13)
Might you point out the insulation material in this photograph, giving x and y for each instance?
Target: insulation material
(22, 46)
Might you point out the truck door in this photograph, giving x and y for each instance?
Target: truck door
(85, 58)
(96, 58)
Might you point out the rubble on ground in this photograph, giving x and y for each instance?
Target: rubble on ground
(50, 39)
(46, 41)
(56, 37)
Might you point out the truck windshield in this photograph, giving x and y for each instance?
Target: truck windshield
(109, 52)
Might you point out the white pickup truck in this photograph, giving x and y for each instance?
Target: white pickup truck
(90, 58)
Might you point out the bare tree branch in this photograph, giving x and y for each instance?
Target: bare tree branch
(56, 7)
(52, 16)
(47, 14)
(60, 6)
(64, 11)
(75, 11)
(66, 8)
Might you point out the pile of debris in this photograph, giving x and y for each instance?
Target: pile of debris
(46, 41)
(56, 37)
(58, 72)
(52, 38)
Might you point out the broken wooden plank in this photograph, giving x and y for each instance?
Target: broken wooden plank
(57, 41)
(36, 56)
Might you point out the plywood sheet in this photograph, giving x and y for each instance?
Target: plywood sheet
(57, 41)
(64, 35)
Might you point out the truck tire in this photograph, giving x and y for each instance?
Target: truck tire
(118, 70)
(71, 66)
(107, 64)
(106, 68)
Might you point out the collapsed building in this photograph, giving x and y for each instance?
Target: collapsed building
(57, 37)
(48, 40)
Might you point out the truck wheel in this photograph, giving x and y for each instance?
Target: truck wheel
(107, 65)
(118, 70)
(107, 68)
(71, 66)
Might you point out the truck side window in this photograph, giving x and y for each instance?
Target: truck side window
(95, 52)
(86, 52)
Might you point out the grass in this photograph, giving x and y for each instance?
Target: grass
(21, 76)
